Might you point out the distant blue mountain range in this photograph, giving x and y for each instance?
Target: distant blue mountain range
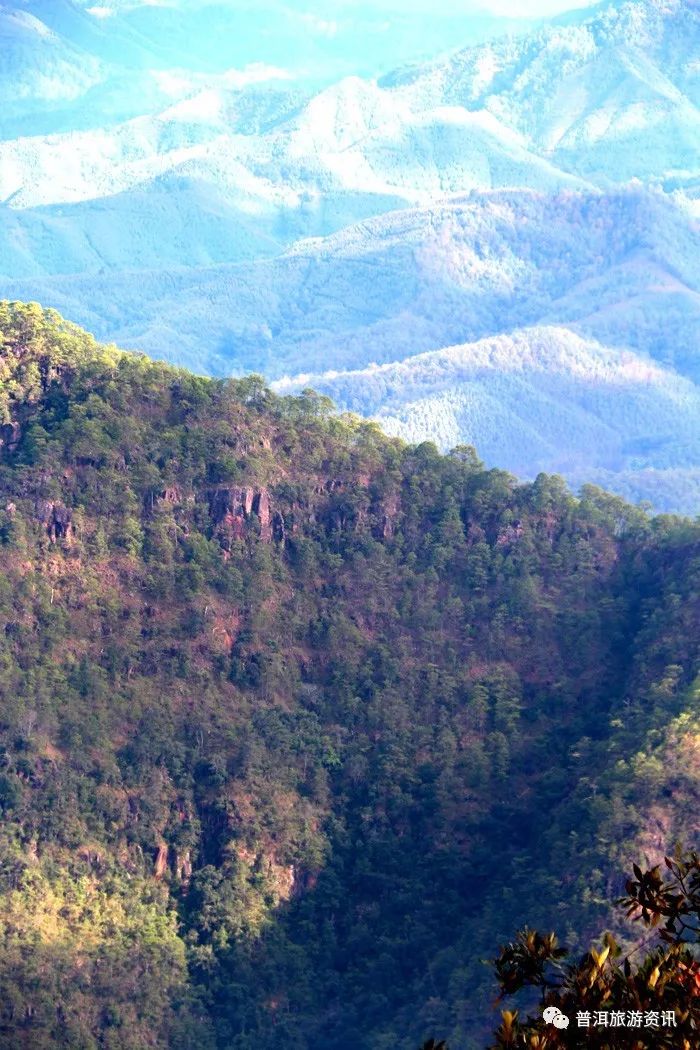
(538, 190)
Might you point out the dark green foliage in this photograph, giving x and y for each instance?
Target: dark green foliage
(664, 982)
(297, 721)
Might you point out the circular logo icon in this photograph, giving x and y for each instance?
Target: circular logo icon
(553, 1015)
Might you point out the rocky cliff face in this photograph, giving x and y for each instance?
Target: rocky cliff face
(235, 512)
(240, 511)
(57, 520)
(10, 437)
(327, 502)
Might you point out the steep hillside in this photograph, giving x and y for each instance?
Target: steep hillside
(609, 96)
(206, 227)
(611, 93)
(316, 40)
(37, 65)
(298, 722)
(60, 71)
(137, 53)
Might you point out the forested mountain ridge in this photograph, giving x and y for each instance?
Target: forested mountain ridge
(298, 722)
(172, 179)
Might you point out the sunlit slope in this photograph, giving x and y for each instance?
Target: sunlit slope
(541, 399)
(619, 266)
(611, 93)
(37, 64)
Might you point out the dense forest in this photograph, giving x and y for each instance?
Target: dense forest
(299, 723)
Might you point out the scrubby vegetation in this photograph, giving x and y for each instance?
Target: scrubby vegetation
(298, 722)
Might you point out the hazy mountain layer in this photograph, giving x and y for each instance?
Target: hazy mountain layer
(516, 396)
(612, 94)
(174, 214)
(620, 266)
(615, 274)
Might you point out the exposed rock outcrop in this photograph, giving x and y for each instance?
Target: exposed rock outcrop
(171, 495)
(160, 865)
(183, 866)
(232, 508)
(510, 535)
(57, 520)
(282, 879)
(261, 507)
(93, 856)
(10, 437)
(168, 499)
(386, 515)
(331, 485)
(230, 500)
(279, 528)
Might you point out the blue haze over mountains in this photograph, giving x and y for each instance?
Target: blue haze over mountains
(497, 244)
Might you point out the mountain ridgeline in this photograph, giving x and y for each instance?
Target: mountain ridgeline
(300, 722)
(539, 190)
